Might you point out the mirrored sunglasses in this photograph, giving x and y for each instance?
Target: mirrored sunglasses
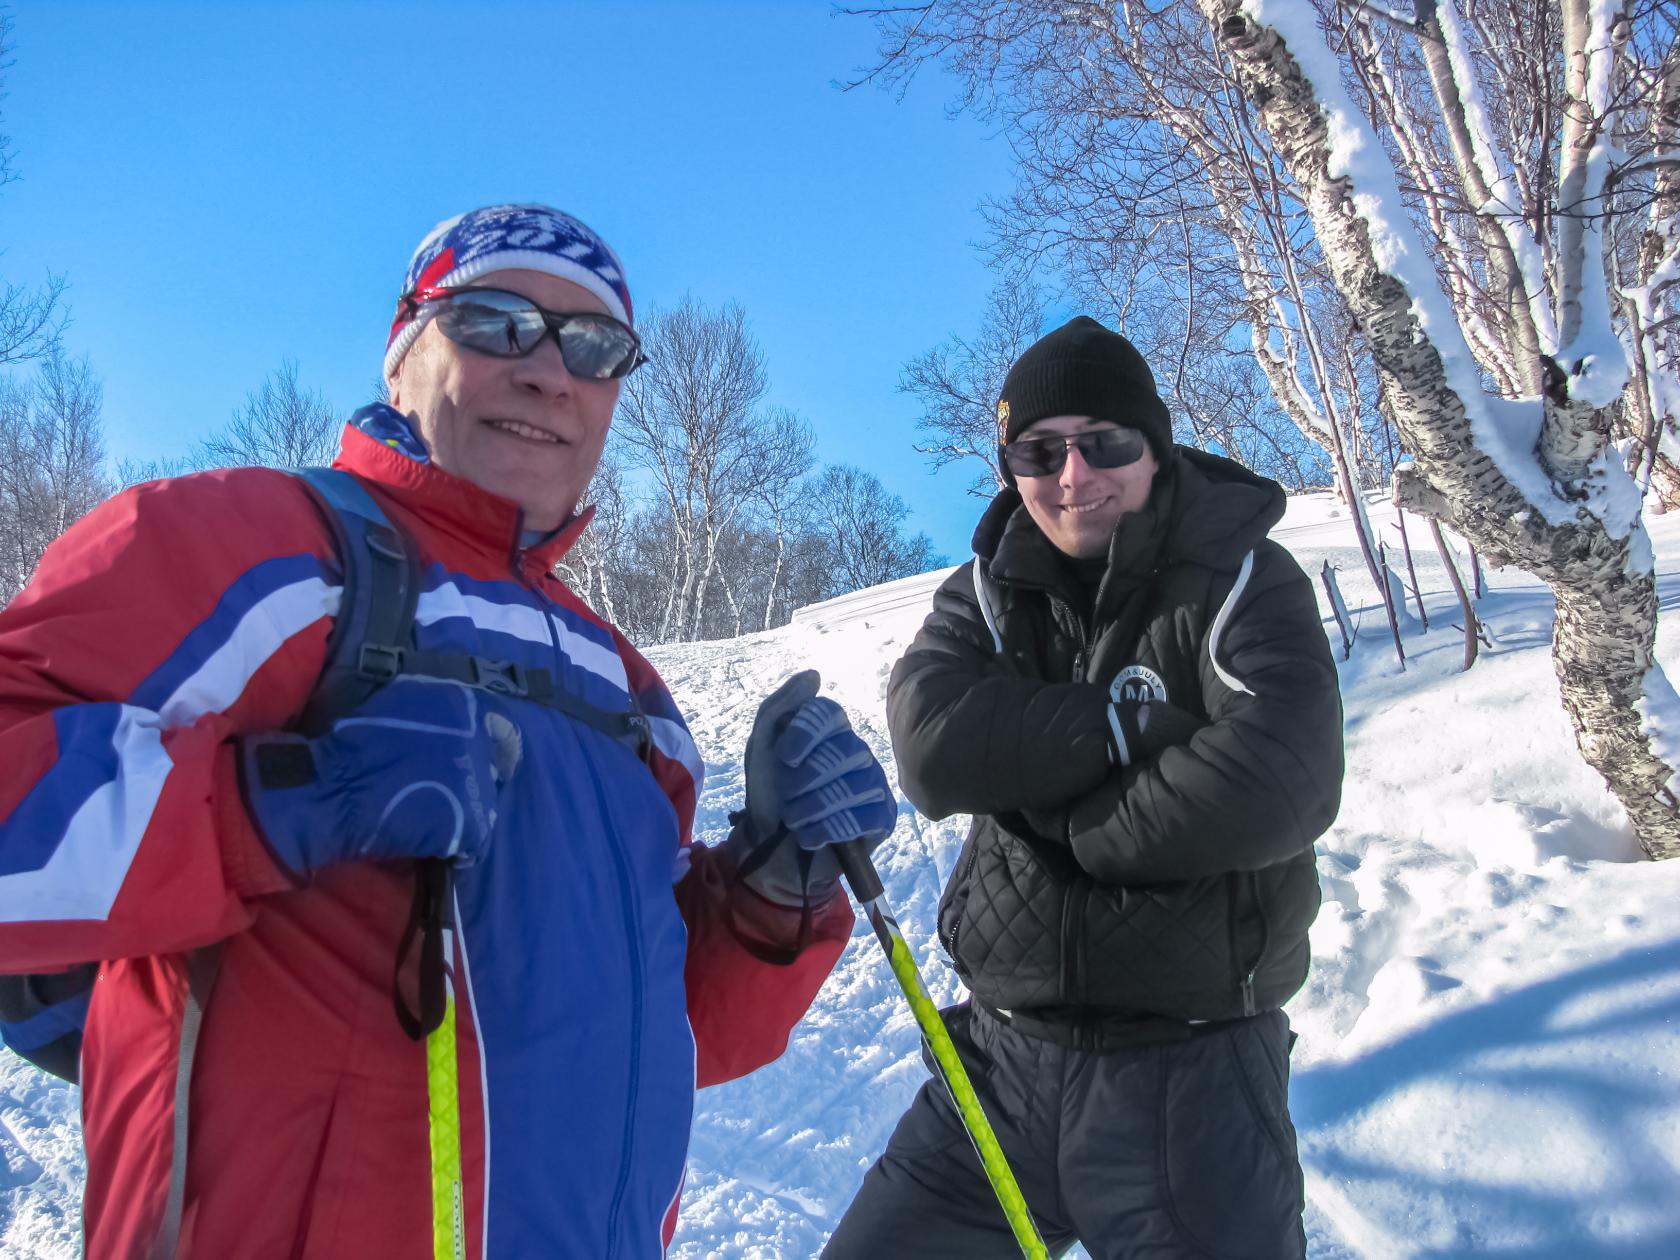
(493, 321)
(1100, 448)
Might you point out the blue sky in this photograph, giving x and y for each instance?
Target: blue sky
(227, 183)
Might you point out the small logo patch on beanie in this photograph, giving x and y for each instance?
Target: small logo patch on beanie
(1003, 420)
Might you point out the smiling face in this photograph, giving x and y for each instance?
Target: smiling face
(1078, 508)
(525, 429)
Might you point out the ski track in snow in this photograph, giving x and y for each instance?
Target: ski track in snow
(1489, 1055)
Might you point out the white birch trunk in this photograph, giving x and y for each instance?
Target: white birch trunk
(698, 613)
(1448, 65)
(1658, 270)
(1551, 506)
(775, 573)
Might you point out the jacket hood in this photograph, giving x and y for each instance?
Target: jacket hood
(1210, 510)
(1221, 511)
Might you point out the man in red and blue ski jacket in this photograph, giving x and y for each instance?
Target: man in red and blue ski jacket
(247, 1087)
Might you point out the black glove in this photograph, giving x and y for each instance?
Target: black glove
(1142, 730)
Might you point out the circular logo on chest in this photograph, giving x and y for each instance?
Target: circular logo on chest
(1138, 683)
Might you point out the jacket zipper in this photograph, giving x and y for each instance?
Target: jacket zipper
(1073, 920)
(632, 941)
(1065, 612)
(1073, 901)
(1265, 942)
(1233, 937)
(950, 938)
(960, 880)
(634, 1059)
(1247, 971)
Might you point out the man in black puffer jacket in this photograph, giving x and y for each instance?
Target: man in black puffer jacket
(1131, 691)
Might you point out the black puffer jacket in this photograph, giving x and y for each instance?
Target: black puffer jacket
(1181, 886)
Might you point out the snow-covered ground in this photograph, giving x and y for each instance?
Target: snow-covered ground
(1490, 1040)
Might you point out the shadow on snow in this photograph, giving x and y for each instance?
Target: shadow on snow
(1464, 1048)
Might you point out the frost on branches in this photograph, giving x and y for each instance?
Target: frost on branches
(1509, 409)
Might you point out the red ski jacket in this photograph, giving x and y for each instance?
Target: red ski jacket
(604, 966)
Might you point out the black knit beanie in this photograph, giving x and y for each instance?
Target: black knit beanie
(1083, 369)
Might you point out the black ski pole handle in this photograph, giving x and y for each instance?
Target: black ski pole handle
(859, 870)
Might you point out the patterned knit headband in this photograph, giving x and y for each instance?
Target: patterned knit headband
(498, 238)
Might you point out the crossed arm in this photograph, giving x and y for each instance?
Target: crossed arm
(1252, 786)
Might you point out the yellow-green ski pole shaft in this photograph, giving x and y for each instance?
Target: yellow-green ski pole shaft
(443, 1114)
(866, 887)
(443, 1098)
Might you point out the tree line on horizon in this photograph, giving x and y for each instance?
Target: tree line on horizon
(712, 516)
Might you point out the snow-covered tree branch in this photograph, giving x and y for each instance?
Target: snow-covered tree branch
(1536, 480)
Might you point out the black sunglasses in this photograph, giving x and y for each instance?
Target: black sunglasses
(594, 347)
(1100, 448)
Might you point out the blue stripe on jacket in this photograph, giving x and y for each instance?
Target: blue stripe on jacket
(503, 620)
(88, 760)
(209, 636)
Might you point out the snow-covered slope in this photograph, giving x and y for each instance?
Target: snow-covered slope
(1490, 1041)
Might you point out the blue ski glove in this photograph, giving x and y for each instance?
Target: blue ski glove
(811, 783)
(415, 772)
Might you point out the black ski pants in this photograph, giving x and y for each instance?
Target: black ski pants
(1143, 1153)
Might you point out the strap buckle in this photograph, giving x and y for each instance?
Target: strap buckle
(641, 730)
(505, 678)
(379, 662)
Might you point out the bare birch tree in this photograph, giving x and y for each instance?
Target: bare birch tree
(32, 319)
(689, 421)
(958, 382)
(589, 566)
(281, 425)
(707, 520)
(1533, 480)
(52, 462)
(1217, 392)
(1141, 169)
(860, 523)
(1649, 295)
(779, 491)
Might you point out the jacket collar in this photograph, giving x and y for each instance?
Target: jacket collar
(379, 445)
(1016, 550)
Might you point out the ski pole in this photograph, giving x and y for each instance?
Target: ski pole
(435, 910)
(866, 887)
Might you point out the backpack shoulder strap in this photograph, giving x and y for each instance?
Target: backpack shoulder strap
(372, 639)
(381, 590)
